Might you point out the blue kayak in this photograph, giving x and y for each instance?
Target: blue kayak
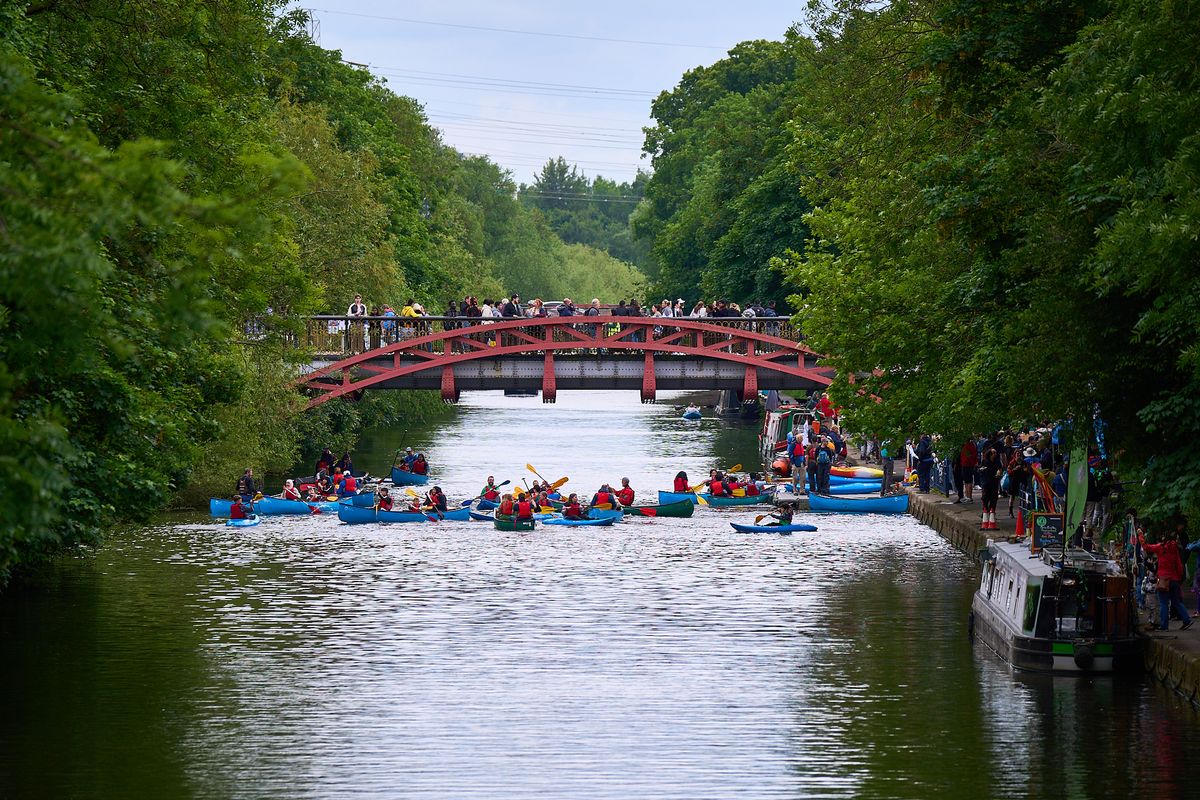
(692, 415)
(794, 527)
(355, 516)
(476, 515)
(674, 497)
(274, 507)
(580, 523)
(248, 522)
(487, 505)
(890, 504)
(838, 480)
(605, 513)
(401, 477)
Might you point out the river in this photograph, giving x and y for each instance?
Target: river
(656, 659)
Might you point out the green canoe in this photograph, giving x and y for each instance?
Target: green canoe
(511, 524)
(680, 508)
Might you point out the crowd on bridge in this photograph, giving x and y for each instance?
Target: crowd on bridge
(363, 328)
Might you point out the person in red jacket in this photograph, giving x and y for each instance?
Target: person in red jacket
(681, 483)
(625, 493)
(716, 486)
(490, 492)
(524, 507)
(964, 470)
(752, 486)
(290, 492)
(420, 466)
(605, 498)
(383, 499)
(238, 509)
(1170, 580)
(506, 506)
(572, 509)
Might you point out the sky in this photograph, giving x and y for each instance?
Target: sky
(523, 98)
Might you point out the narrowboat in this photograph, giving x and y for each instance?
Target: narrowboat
(1057, 612)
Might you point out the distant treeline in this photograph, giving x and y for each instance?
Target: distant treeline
(170, 170)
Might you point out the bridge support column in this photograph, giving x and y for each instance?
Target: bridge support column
(449, 390)
(750, 385)
(649, 382)
(549, 385)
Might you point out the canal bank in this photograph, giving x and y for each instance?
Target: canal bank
(1172, 657)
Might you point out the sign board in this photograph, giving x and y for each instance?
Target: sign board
(1047, 530)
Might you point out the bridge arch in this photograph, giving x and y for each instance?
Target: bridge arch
(353, 354)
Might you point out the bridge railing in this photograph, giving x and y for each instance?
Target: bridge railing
(338, 336)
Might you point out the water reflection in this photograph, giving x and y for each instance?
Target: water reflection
(659, 658)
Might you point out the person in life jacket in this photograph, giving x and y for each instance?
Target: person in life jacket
(733, 486)
(506, 506)
(245, 485)
(681, 483)
(524, 507)
(348, 487)
(572, 509)
(290, 492)
(824, 464)
(437, 499)
(625, 494)
(605, 498)
(420, 466)
(383, 500)
(238, 509)
(489, 491)
(752, 486)
(312, 495)
(716, 487)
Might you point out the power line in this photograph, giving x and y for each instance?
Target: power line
(570, 135)
(561, 114)
(513, 81)
(452, 115)
(547, 34)
(504, 89)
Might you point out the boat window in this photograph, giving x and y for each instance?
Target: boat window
(1008, 597)
(1033, 596)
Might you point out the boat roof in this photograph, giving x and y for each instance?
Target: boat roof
(1046, 564)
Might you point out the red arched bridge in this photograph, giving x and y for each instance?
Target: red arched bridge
(455, 354)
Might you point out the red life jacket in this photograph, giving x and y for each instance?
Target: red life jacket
(798, 448)
(291, 494)
(524, 509)
(351, 483)
(506, 508)
(603, 498)
(573, 511)
(625, 496)
(731, 485)
(385, 503)
(490, 494)
(237, 511)
(717, 489)
(420, 466)
(751, 489)
(681, 485)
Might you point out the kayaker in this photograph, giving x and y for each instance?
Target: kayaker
(605, 498)
(490, 492)
(245, 485)
(325, 461)
(325, 486)
(681, 482)
(734, 487)
(506, 506)
(312, 495)
(436, 498)
(784, 514)
(238, 509)
(524, 507)
(420, 466)
(345, 463)
(625, 493)
(409, 457)
(716, 487)
(572, 509)
(752, 486)
(383, 499)
(349, 485)
(290, 492)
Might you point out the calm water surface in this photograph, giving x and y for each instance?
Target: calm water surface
(657, 659)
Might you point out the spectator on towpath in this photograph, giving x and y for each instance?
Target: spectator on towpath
(964, 470)
(924, 453)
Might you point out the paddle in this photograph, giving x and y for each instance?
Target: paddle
(760, 518)
(470, 500)
(535, 472)
(559, 483)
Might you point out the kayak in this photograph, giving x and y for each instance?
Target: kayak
(890, 504)
(481, 517)
(354, 515)
(273, 507)
(837, 480)
(248, 522)
(665, 498)
(790, 528)
(870, 473)
(511, 524)
(579, 523)
(680, 508)
(689, 414)
(864, 487)
(605, 513)
(402, 477)
(724, 502)
(486, 505)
